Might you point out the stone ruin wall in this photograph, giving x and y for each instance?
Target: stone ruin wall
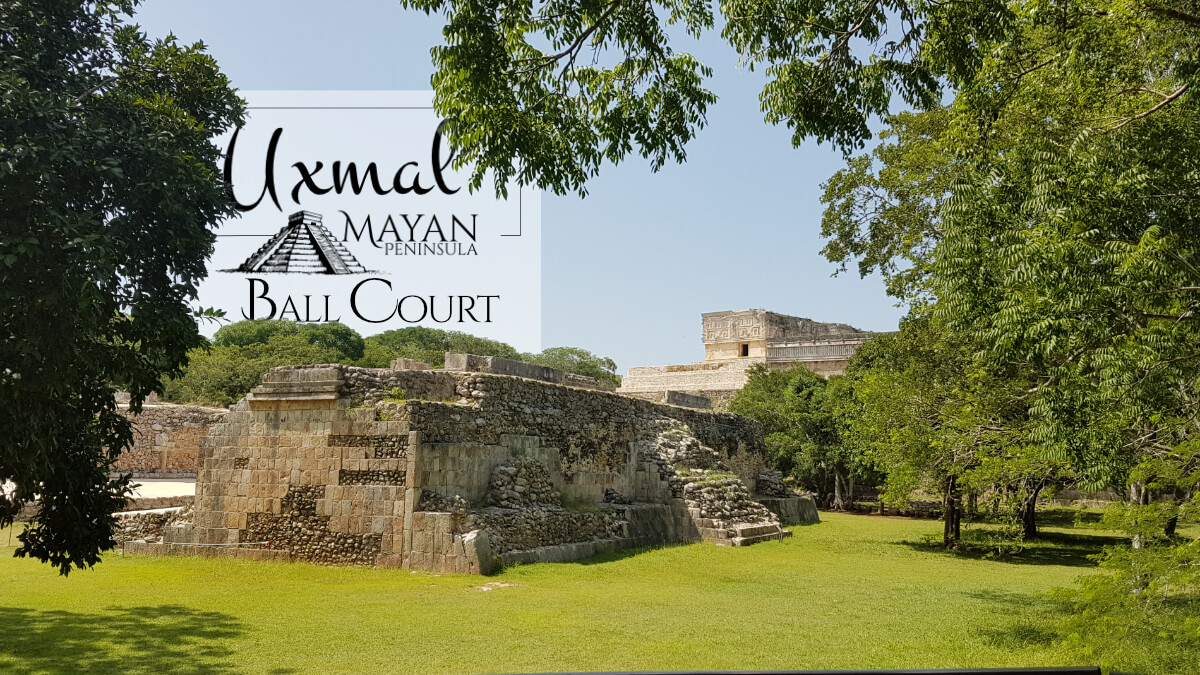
(717, 381)
(166, 438)
(671, 397)
(778, 340)
(166, 442)
(345, 465)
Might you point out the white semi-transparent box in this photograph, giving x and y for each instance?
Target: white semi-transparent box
(352, 212)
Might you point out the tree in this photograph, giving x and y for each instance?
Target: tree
(111, 190)
(1071, 247)
(577, 361)
(934, 418)
(548, 92)
(242, 352)
(798, 411)
(337, 336)
(431, 344)
(223, 374)
(910, 385)
(883, 209)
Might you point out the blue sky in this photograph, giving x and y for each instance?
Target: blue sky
(626, 271)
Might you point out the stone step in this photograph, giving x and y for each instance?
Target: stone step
(322, 374)
(753, 530)
(713, 534)
(313, 385)
(758, 539)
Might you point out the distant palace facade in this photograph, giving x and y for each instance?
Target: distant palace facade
(736, 340)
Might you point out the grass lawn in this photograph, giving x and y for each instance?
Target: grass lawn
(853, 591)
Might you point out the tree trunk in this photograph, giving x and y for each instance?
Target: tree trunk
(850, 489)
(1029, 515)
(1138, 494)
(972, 504)
(1169, 529)
(952, 516)
(838, 503)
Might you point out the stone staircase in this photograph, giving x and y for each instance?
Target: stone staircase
(737, 534)
(314, 383)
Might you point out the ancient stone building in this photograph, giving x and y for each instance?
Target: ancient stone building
(736, 340)
(463, 468)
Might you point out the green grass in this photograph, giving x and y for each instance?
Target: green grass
(853, 591)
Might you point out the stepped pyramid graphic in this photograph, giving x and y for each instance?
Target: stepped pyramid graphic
(303, 246)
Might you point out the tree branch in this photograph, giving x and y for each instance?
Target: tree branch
(1184, 17)
(1170, 97)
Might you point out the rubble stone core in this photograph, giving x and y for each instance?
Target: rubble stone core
(343, 465)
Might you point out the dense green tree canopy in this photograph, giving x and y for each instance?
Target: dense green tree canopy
(242, 352)
(336, 336)
(224, 374)
(431, 344)
(110, 193)
(548, 91)
(577, 361)
(883, 209)
(800, 413)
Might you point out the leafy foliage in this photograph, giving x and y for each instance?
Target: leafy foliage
(1068, 251)
(936, 420)
(1144, 614)
(224, 374)
(431, 344)
(883, 209)
(578, 361)
(799, 413)
(111, 192)
(546, 92)
(243, 351)
(513, 108)
(333, 335)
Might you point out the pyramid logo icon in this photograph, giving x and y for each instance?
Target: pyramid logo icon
(303, 246)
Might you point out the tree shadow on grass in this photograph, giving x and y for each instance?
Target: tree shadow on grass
(158, 639)
(1065, 549)
(1019, 635)
(1068, 518)
(1035, 632)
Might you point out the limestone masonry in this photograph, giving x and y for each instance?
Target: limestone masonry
(734, 341)
(166, 438)
(485, 462)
